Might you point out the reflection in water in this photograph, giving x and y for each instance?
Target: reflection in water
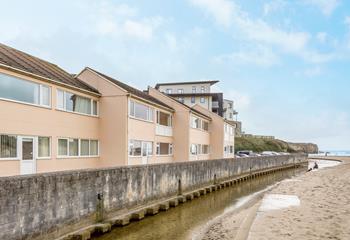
(182, 222)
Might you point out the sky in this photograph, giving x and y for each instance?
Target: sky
(285, 63)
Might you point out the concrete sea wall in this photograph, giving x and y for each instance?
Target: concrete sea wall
(52, 204)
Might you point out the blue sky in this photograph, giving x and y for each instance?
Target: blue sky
(285, 63)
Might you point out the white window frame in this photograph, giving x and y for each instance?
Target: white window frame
(194, 89)
(169, 91)
(17, 148)
(50, 148)
(202, 100)
(79, 153)
(150, 112)
(39, 94)
(65, 104)
(203, 89)
(180, 90)
(193, 99)
(170, 149)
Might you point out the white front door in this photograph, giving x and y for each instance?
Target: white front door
(144, 152)
(28, 159)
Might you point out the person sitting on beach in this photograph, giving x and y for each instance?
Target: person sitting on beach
(315, 165)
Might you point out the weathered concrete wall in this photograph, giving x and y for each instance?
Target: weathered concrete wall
(32, 206)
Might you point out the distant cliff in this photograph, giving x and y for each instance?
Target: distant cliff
(260, 145)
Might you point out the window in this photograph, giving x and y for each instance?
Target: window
(202, 100)
(194, 149)
(196, 122)
(194, 89)
(230, 105)
(193, 99)
(62, 147)
(134, 148)
(141, 111)
(44, 147)
(169, 91)
(84, 147)
(181, 91)
(94, 148)
(164, 119)
(138, 148)
(71, 102)
(181, 100)
(74, 147)
(202, 89)
(229, 149)
(230, 116)
(164, 149)
(205, 126)
(94, 108)
(205, 149)
(16, 89)
(8, 146)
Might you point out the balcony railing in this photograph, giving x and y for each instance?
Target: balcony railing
(164, 131)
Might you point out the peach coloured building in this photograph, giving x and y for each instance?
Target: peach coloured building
(51, 120)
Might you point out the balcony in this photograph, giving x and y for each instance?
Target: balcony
(215, 104)
(164, 131)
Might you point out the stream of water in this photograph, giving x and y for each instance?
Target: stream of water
(186, 220)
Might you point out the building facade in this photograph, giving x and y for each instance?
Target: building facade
(194, 93)
(51, 121)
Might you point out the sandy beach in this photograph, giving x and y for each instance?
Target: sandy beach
(319, 209)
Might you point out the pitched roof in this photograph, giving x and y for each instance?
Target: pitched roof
(211, 82)
(24, 62)
(132, 90)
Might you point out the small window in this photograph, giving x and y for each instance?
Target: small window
(202, 89)
(44, 147)
(164, 149)
(193, 99)
(45, 96)
(62, 147)
(205, 126)
(202, 99)
(194, 149)
(169, 91)
(94, 108)
(134, 148)
(205, 149)
(194, 89)
(181, 100)
(73, 147)
(94, 151)
(180, 91)
(8, 146)
(84, 147)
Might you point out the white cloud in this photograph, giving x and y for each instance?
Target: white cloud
(221, 10)
(327, 7)
(321, 37)
(259, 55)
(313, 72)
(273, 6)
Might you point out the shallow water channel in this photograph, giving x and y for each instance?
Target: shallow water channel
(186, 220)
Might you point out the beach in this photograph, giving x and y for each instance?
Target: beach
(314, 205)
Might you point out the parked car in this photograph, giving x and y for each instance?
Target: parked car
(246, 152)
(269, 153)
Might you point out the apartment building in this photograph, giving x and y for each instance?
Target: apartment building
(51, 120)
(192, 129)
(135, 128)
(229, 112)
(222, 133)
(193, 93)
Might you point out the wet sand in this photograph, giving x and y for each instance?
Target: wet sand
(322, 212)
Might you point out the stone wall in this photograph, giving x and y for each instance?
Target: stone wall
(35, 205)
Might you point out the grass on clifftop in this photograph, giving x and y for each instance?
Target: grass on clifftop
(260, 145)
